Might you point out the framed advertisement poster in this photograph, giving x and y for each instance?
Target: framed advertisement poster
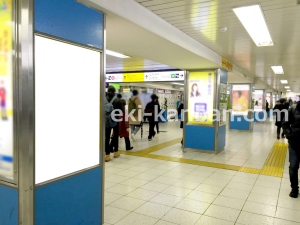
(240, 99)
(223, 103)
(201, 97)
(6, 90)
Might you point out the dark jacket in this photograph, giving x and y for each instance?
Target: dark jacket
(150, 110)
(267, 106)
(279, 119)
(179, 111)
(117, 103)
(291, 127)
(123, 125)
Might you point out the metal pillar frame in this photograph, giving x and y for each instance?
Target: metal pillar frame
(217, 73)
(24, 112)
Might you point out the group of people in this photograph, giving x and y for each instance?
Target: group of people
(291, 130)
(121, 127)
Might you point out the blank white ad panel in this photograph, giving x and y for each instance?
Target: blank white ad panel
(67, 108)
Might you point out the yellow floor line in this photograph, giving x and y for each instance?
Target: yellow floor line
(273, 166)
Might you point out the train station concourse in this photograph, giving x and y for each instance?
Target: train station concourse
(149, 112)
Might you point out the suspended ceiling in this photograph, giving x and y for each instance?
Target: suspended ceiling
(202, 19)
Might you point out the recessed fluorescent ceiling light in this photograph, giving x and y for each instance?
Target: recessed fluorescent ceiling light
(178, 83)
(116, 54)
(284, 81)
(254, 22)
(277, 69)
(286, 86)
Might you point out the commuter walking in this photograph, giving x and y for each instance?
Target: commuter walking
(133, 104)
(278, 109)
(124, 128)
(290, 102)
(112, 103)
(149, 113)
(158, 111)
(179, 111)
(267, 106)
(291, 128)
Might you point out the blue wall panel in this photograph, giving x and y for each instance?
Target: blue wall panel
(200, 137)
(224, 75)
(222, 137)
(259, 115)
(239, 123)
(8, 206)
(69, 20)
(75, 200)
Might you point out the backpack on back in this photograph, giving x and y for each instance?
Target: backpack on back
(132, 106)
(109, 108)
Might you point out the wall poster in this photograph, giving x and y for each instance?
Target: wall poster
(201, 97)
(223, 103)
(240, 96)
(6, 90)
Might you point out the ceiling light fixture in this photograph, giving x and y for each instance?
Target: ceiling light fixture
(116, 54)
(254, 22)
(277, 69)
(287, 87)
(284, 81)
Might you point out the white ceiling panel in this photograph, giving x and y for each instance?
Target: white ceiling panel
(202, 19)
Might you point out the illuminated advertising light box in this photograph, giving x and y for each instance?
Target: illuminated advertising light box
(240, 99)
(164, 76)
(160, 91)
(167, 91)
(201, 97)
(258, 100)
(268, 98)
(6, 90)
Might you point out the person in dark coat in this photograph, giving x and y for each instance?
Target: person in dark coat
(279, 111)
(149, 113)
(158, 111)
(124, 128)
(180, 111)
(113, 144)
(291, 128)
(267, 106)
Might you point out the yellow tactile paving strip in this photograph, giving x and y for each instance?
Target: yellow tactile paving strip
(274, 164)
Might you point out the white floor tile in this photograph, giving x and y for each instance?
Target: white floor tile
(264, 199)
(153, 210)
(259, 208)
(165, 199)
(121, 189)
(192, 206)
(143, 194)
(288, 214)
(207, 220)
(111, 197)
(128, 203)
(229, 202)
(209, 188)
(181, 217)
(177, 191)
(152, 186)
(254, 219)
(137, 219)
(112, 215)
(233, 193)
(202, 196)
(223, 213)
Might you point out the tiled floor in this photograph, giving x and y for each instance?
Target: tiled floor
(142, 191)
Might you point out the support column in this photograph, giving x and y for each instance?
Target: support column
(205, 92)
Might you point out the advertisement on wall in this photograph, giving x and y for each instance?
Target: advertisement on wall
(240, 96)
(201, 97)
(6, 90)
(258, 100)
(223, 102)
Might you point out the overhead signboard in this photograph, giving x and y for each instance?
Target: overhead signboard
(145, 77)
(6, 90)
(164, 76)
(227, 65)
